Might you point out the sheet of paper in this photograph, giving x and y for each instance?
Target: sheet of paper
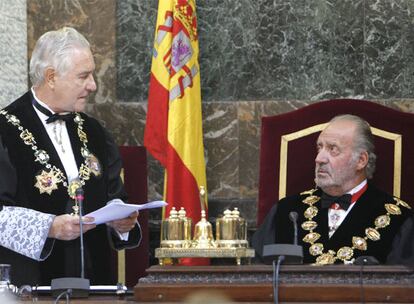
(116, 209)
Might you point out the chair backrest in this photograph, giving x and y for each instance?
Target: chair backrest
(132, 263)
(288, 149)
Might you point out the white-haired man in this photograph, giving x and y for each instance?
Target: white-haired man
(48, 150)
(345, 216)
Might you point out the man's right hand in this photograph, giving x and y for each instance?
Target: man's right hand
(66, 227)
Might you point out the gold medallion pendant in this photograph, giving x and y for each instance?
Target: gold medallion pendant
(73, 186)
(93, 164)
(326, 258)
(47, 181)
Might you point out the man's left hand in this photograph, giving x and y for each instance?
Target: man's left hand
(125, 224)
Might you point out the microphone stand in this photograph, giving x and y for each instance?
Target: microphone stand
(293, 253)
(287, 253)
(293, 216)
(74, 287)
(276, 269)
(79, 198)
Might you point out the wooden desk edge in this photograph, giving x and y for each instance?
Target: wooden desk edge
(287, 293)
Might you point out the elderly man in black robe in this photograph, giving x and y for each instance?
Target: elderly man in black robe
(48, 149)
(345, 216)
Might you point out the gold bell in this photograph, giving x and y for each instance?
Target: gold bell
(203, 233)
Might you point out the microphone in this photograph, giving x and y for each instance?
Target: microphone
(293, 253)
(293, 216)
(75, 287)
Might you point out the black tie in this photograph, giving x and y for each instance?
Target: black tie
(344, 201)
(52, 117)
(64, 117)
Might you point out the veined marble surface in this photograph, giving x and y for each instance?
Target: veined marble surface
(286, 50)
(13, 50)
(389, 49)
(95, 19)
(135, 39)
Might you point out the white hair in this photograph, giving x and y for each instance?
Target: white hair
(54, 50)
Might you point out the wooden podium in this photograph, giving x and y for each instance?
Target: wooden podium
(298, 283)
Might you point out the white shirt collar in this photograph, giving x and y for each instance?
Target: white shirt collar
(41, 103)
(358, 187)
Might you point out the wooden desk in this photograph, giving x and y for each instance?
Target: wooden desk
(298, 283)
(106, 300)
(92, 299)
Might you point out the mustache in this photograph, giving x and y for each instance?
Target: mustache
(322, 168)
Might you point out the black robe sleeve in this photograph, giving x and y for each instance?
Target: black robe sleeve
(116, 190)
(115, 185)
(403, 245)
(265, 234)
(8, 178)
(8, 186)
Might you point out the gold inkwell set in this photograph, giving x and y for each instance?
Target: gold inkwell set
(177, 240)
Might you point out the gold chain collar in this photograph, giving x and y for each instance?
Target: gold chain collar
(48, 179)
(344, 253)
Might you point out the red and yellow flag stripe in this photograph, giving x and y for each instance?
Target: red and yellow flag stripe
(173, 132)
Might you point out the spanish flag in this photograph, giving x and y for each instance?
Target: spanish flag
(173, 132)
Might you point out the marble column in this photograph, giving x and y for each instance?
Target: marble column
(13, 50)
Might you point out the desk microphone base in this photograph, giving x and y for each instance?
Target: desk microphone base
(293, 253)
(79, 287)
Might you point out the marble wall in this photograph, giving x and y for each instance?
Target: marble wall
(95, 19)
(13, 50)
(257, 58)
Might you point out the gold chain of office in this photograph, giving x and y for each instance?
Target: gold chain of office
(49, 178)
(344, 253)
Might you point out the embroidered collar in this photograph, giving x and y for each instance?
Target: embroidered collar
(344, 253)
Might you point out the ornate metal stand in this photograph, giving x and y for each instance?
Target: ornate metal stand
(168, 254)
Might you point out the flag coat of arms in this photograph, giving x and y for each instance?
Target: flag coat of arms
(173, 132)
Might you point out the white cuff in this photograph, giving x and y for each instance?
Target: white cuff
(25, 231)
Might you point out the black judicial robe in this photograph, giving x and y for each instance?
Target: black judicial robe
(396, 245)
(18, 169)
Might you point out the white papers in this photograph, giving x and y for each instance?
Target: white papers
(116, 209)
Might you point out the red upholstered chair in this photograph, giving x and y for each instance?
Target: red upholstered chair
(288, 149)
(132, 263)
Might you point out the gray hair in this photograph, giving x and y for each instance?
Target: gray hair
(363, 141)
(54, 50)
